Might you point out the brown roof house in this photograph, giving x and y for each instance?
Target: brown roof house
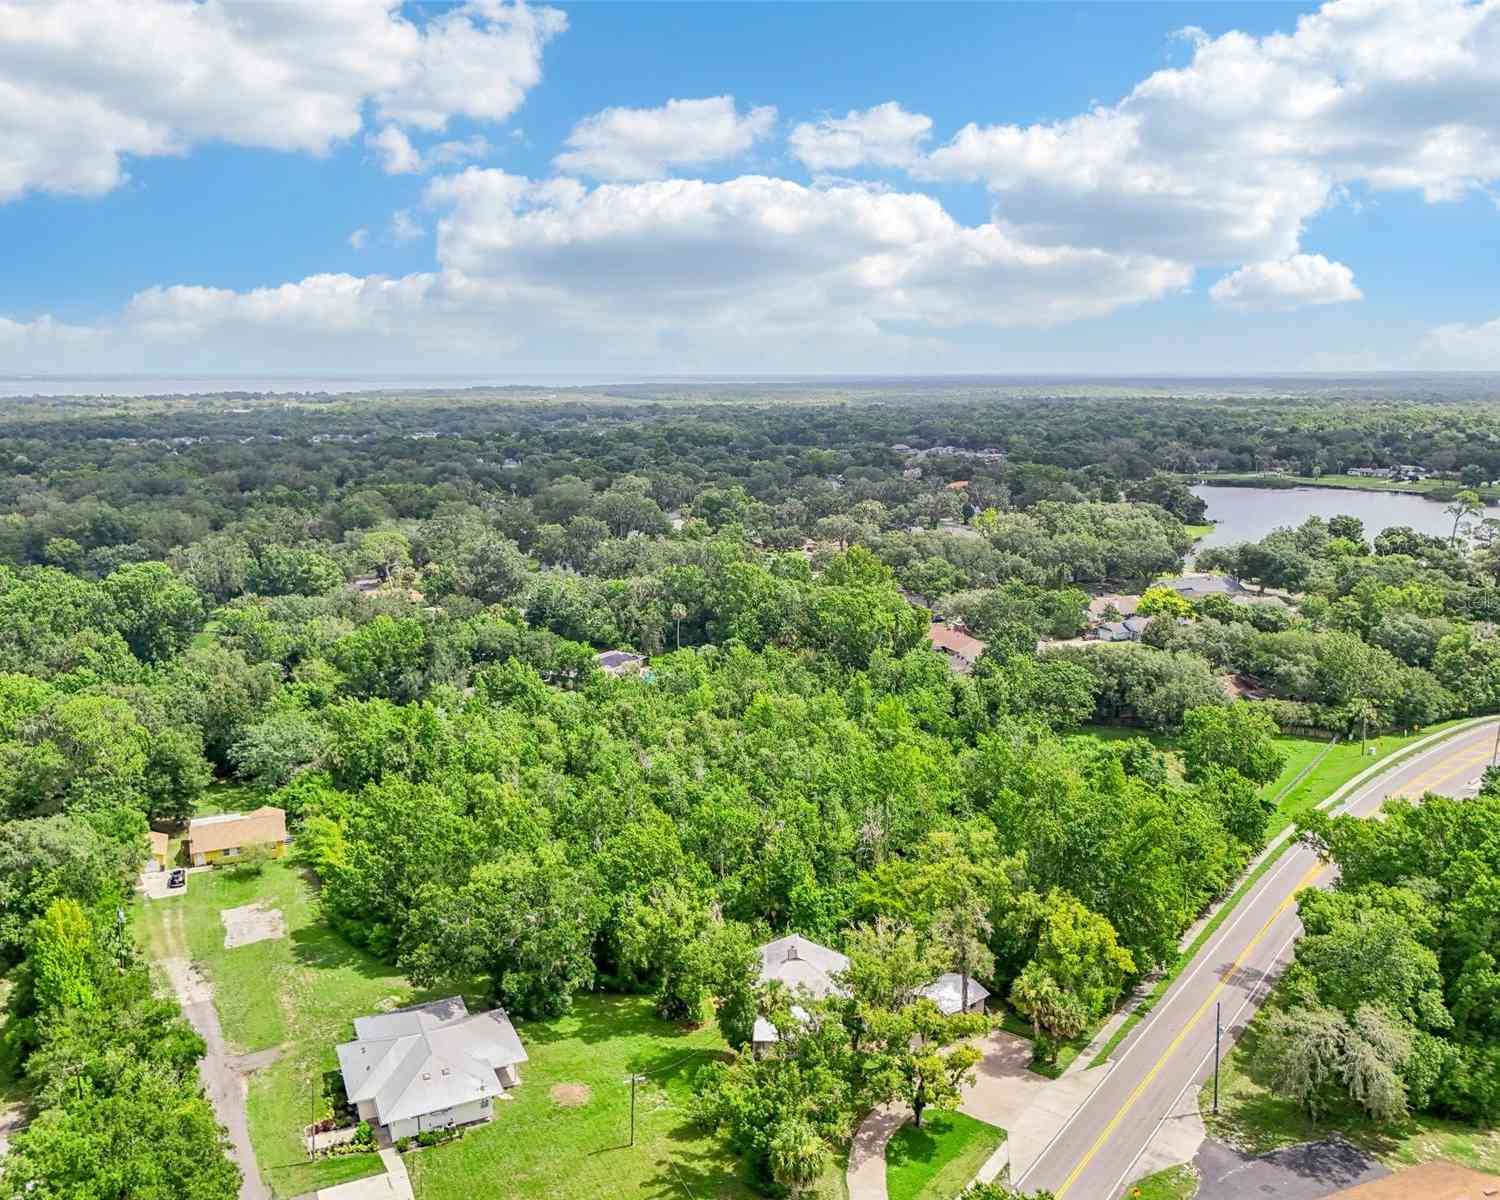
(1428, 1181)
(224, 837)
(961, 647)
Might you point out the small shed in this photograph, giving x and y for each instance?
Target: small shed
(160, 845)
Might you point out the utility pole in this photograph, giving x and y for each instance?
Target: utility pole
(1218, 1031)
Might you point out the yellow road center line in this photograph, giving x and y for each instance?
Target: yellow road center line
(1161, 1062)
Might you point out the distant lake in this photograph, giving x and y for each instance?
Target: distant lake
(1247, 514)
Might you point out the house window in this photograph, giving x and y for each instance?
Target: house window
(232, 852)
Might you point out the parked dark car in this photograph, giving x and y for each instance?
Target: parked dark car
(177, 879)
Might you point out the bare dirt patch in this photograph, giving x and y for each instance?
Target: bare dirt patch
(251, 923)
(570, 1095)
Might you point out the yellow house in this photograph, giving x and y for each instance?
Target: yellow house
(224, 837)
(156, 860)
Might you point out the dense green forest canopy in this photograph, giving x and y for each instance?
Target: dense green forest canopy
(382, 614)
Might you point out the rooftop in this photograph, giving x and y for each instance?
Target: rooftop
(427, 1058)
(224, 831)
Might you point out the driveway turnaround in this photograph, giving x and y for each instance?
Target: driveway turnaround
(1170, 1054)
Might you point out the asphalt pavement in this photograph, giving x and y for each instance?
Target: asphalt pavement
(1170, 1053)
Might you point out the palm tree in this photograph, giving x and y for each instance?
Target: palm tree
(679, 615)
(1361, 712)
(797, 1155)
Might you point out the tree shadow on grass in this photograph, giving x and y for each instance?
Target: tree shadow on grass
(913, 1145)
(703, 1172)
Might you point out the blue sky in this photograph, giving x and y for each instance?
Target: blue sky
(750, 187)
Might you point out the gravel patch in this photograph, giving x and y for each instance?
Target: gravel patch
(251, 923)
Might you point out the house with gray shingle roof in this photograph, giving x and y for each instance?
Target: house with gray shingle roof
(804, 967)
(430, 1066)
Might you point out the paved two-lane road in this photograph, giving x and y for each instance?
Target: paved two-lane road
(1171, 1052)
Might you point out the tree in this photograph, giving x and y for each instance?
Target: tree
(1312, 1054)
(152, 1139)
(1241, 736)
(526, 921)
(1165, 602)
(1357, 714)
(1077, 971)
(1034, 993)
(1465, 506)
(664, 934)
(917, 1061)
(798, 1153)
(733, 977)
(962, 929)
(62, 957)
(157, 611)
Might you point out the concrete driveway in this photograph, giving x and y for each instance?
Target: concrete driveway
(154, 885)
(395, 1184)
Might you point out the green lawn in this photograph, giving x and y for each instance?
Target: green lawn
(299, 993)
(939, 1160)
(1254, 1119)
(574, 1143)
(1175, 1183)
(1199, 531)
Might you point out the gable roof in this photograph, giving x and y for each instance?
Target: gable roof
(427, 1058)
(799, 963)
(955, 641)
(228, 830)
(159, 843)
(946, 991)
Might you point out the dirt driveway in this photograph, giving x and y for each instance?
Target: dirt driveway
(223, 1074)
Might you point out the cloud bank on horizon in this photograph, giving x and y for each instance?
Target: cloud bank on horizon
(677, 235)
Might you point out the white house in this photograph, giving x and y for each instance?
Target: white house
(947, 992)
(803, 966)
(430, 1066)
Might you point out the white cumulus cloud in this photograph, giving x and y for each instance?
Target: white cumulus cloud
(358, 238)
(86, 84)
(1287, 283)
(647, 143)
(884, 136)
(397, 155)
(1473, 347)
(1224, 161)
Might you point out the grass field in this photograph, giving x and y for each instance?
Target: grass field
(299, 993)
(1175, 1183)
(565, 1134)
(939, 1160)
(1257, 1121)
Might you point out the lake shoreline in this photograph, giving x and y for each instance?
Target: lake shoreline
(1439, 491)
(1245, 512)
